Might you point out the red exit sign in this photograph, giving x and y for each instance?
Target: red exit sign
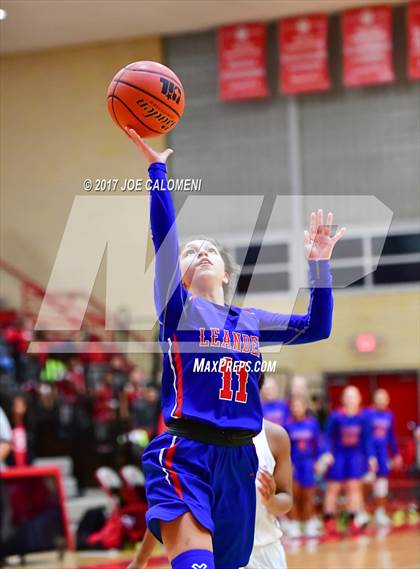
(366, 343)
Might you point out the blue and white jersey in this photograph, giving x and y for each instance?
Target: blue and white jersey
(212, 358)
(346, 433)
(305, 438)
(382, 424)
(276, 411)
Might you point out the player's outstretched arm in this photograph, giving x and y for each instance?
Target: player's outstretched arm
(170, 295)
(276, 490)
(316, 324)
(145, 552)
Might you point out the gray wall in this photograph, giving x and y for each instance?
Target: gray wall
(352, 141)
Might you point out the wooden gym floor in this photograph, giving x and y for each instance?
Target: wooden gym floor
(399, 550)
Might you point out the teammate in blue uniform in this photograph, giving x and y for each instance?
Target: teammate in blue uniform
(349, 453)
(200, 473)
(385, 446)
(274, 409)
(305, 439)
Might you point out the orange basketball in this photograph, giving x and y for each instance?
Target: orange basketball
(146, 96)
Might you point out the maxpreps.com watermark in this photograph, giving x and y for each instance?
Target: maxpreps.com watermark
(132, 185)
(204, 365)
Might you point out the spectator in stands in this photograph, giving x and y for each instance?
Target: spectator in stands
(118, 368)
(75, 375)
(54, 370)
(5, 438)
(22, 442)
(18, 337)
(105, 419)
(7, 365)
(139, 401)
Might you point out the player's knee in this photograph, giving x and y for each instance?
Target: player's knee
(333, 488)
(380, 488)
(200, 558)
(184, 533)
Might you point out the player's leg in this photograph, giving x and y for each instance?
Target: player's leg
(355, 504)
(308, 512)
(380, 491)
(354, 495)
(331, 496)
(294, 528)
(330, 506)
(335, 477)
(355, 470)
(187, 542)
(234, 505)
(179, 495)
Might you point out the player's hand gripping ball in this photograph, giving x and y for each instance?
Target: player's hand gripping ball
(146, 96)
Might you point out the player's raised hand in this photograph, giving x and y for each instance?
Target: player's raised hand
(150, 154)
(319, 243)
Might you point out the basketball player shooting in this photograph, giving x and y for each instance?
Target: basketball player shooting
(200, 473)
(274, 499)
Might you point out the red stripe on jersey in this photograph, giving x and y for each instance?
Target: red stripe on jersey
(179, 385)
(169, 457)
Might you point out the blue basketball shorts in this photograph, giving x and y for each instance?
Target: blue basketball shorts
(349, 464)
(383, 464)
(213, 482)
(303, 472)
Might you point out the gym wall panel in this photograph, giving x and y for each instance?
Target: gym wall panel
(56, 131)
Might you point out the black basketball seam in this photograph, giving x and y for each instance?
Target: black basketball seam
(157, 73)
(112, 103)
(147, 93)
(134, 115)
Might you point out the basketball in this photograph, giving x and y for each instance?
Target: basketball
(146, 96)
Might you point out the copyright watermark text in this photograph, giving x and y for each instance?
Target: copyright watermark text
(132, 185)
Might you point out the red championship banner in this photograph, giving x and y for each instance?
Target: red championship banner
(367, 46)
(413, 40)
(303, 47)
(242, 62)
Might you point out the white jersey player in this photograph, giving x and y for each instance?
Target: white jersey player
(274, 496)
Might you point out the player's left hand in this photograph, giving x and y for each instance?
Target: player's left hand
(318, 242)
(266, 486)
(397, 462)
(373, 464)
